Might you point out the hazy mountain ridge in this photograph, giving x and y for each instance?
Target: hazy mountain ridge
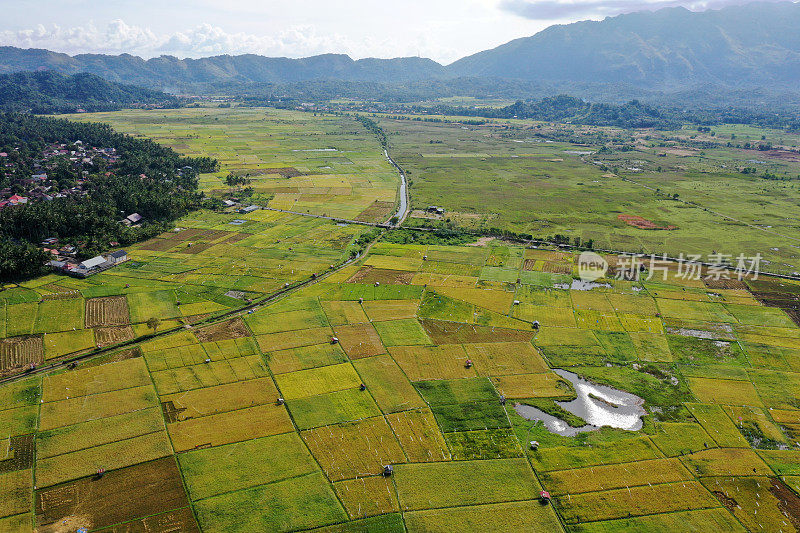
(751, 45)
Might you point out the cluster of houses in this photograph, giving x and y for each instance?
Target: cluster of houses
(38, 185)
(89, 267)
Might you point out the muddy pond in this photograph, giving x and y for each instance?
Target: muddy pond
(598, 405)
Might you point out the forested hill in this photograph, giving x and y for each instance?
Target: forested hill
(81, 200)
(51, 92)
(755, 44)
(750, 45)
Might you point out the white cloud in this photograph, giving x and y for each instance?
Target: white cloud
(202, 40)
(572, 10)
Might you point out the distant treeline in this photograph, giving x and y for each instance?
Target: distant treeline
(149, 179)
(50, 92)
(632, 114)
(611, 105)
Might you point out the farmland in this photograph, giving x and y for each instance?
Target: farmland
(239, 412)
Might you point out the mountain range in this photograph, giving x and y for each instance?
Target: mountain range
(750, 45)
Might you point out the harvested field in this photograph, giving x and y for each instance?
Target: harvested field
(113, 335)
(22, 456)
(230, 329)
(371, 275)
(107, 311)
(119, 496)
(557, 268)
(17, 353)
(723, 283)
(157, 244)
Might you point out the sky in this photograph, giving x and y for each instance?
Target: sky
(443, 30)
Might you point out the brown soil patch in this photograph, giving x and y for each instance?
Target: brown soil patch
(369, 274)
(788, 501)
(22, 454)
(735, 284)
(729, 503)
(236, 237)
(642, 223)
(17, 353)
(107, 311)
(131, 493)
(783, 155)
(529, 265)
(158, 245)
(777, 294)
(195, 248)
(172, 413)
(444, 332)
(230, 329)
(359, 340)
(557, 268)
(113, 335)
(377, 212)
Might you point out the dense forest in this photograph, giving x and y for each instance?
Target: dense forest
(51, 92)
(148, 178)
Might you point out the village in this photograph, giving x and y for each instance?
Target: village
(59, 172)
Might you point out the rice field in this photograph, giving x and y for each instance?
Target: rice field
(285, 417)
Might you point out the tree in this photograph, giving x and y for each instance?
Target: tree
(153, 323)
